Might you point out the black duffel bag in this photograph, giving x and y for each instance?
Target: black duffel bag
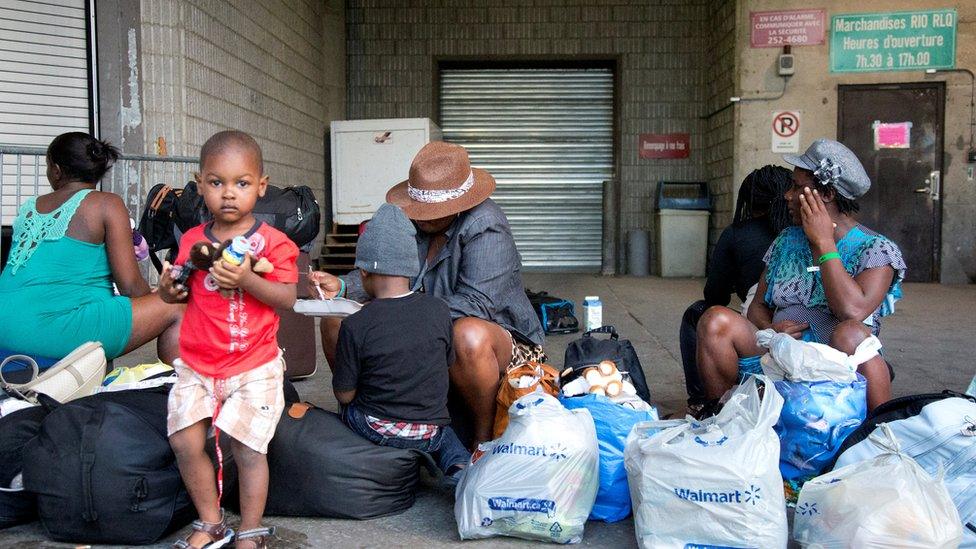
(588, 351)
(320, 468)
(103, 471)
(292, 210)
(17, 505)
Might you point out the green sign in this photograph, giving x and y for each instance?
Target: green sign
(897, 41)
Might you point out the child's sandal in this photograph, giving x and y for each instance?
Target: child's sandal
(257, 536)
(220, 534)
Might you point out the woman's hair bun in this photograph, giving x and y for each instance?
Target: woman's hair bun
(102, 151)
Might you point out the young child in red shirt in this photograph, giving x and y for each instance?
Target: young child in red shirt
(230, 368)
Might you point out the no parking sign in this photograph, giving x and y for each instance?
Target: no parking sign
(786, 132)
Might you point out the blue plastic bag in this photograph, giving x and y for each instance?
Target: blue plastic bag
(817, 416)
(613, 424)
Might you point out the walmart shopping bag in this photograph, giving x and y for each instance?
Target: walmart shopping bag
(710, 483)
(887, 501)
(537, 481)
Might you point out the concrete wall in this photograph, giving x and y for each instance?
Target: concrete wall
(273, 69)
(813, 91)
(659, 45)
(119, 99)
(719, 75)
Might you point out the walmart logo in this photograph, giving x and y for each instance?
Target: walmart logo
(753, 495)
(807, 508)
(555, 452)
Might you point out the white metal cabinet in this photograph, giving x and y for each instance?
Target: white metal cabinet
(369, 157)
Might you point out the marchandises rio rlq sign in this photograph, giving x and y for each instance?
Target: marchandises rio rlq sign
(896, 41)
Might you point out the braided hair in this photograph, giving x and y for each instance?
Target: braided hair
(762, 195)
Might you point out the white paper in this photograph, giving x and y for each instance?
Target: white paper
(338, 307)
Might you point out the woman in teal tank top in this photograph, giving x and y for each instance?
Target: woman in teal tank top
(69, 247)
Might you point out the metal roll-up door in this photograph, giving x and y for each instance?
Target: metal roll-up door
(44, 75)
(547, 137)
(45, 89)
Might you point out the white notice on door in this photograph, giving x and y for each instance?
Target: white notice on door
(786, 132)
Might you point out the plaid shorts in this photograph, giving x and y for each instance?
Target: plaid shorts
(525, 352)
(251, 402)
(402, 429)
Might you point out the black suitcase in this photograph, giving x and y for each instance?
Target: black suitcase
(103, 470)
(589, 350)
(320, 468)
(296, 332)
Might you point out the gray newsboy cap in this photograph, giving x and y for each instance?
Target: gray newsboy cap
(831, 162)
(388, 246)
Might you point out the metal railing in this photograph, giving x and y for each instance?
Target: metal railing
(23, 175)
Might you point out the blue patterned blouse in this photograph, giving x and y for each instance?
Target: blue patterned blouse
(796, 293)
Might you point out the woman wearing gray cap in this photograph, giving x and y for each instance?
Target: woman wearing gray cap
(827, 279)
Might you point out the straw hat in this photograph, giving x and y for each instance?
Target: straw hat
(442, 183)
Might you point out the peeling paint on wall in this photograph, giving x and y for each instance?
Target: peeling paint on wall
(132, 115)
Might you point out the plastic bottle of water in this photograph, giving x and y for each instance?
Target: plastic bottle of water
(592, 312)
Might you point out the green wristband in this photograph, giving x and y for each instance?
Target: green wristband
(827, 257)
(342, 287)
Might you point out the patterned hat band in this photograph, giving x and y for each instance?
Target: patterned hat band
(436, 196)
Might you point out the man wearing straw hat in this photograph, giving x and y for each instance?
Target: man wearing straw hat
(468, 258)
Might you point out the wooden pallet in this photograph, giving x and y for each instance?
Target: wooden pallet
(339, 250)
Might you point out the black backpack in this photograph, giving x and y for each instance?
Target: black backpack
(103, 471)
(292, 210)
(588, 350)
(557, 315)
(893, 410)
(156, 223)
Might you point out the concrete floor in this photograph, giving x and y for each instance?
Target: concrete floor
(930, 341)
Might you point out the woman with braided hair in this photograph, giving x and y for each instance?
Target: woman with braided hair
(761, 213)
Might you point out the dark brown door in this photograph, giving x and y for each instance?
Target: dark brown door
(904, 202)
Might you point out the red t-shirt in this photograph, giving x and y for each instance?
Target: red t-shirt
(223, 337)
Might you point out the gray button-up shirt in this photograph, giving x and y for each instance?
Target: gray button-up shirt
(477, 272)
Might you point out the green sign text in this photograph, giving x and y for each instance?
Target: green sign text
(898, 41)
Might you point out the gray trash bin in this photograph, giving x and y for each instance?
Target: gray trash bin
(683, 210)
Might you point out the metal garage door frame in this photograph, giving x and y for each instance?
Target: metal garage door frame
(532, 260)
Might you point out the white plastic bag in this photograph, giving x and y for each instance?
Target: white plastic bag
(715, 482)
(794, 360)
(888, 501)
(537, 481)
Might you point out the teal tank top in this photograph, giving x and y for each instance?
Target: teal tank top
(57, 291)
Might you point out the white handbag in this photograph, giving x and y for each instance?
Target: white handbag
(74, 376)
